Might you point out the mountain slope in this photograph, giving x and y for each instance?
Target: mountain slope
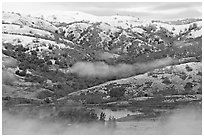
(40, 52)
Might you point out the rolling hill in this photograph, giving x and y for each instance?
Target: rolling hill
(40, 50)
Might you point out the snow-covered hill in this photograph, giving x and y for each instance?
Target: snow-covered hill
(124, 22)
(40, 49)
(26, 20)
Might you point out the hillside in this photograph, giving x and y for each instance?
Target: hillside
(40, 53)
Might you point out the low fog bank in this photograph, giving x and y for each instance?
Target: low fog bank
(103, 70)
(185, 121)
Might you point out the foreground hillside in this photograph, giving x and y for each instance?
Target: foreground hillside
(178, 80)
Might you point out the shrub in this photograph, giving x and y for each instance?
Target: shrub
(49, 63)
(199, 73)
(117, 92)
(166, 81)
(188, 68)
(195, 25)
(78, 115)
(188, 86)
(21, 73)
(50, 47)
